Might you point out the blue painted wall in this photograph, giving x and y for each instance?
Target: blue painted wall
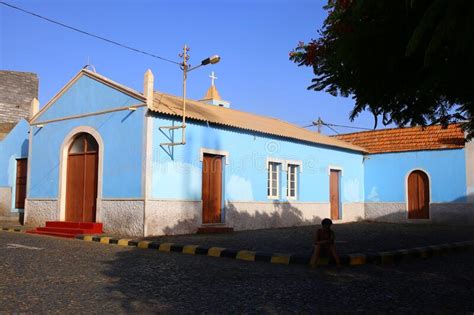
(385, 175)
(177, 175)
(89, 96)
(177, 170)
(121, 132)
(12, 147)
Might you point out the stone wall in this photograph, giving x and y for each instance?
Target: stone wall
(38, 211)
(5, 200)
(17, 90)
(265, 215)
(122, 217)
(170, 217)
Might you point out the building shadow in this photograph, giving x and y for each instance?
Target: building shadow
(276, 215)
(455, 212)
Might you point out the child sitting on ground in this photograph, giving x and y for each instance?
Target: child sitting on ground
(324, 241)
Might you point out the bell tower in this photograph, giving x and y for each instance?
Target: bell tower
(212, 96)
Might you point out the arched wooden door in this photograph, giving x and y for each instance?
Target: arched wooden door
(81, 183)
(418, 195)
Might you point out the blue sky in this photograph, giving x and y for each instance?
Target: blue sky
(253, 39)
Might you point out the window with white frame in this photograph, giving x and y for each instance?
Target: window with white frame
(273, 189)
(292, 181)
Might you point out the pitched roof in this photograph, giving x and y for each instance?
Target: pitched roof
(408, 139)
(93, 75)
(5, 128)
(172, 105)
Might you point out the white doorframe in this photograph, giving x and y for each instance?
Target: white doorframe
(63, 154)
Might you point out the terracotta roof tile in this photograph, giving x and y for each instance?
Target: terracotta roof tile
(408, 139)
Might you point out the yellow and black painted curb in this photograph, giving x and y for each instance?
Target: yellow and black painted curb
(383, 258)
(12, 229)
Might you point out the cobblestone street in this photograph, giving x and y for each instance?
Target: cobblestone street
(43, 274)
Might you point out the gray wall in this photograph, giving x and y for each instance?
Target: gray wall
(17, 89)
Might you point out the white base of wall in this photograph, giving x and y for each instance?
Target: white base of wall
(122, 217)
(263, 215)
(386, 212)
(172, 217)
(38, 211)
(5, 200)
(351, 212)
(396, 212)
(456, 213)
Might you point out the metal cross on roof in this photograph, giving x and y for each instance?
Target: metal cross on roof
(213, 77)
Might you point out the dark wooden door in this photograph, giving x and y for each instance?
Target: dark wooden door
(20, 192)
(418, 195)
(211, 188)
(81, 183)
(334, 194)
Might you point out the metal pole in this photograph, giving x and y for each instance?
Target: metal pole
(185, 74)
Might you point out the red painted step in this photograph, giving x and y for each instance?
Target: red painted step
(68, 229)
(66, 235)
(76, 225)
(62, 230)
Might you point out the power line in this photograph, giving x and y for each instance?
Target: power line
(319, 123)
(337, 132)
(352, 127)
(88, 34)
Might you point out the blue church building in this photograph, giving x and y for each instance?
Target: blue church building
(142, 163)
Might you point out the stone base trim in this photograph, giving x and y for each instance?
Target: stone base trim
(351, 212)
(265, 215)
(453, 213)
(394, 212)
(122, 217)
(5, 201)
(135, 217)
(38, 211)
(172, 217)
(444, 213)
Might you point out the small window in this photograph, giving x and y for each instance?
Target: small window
(292, 181)
(91, 144)
(78, 146)
(273, 189)
(83, 143)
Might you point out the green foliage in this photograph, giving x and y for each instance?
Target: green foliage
(407, 62)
